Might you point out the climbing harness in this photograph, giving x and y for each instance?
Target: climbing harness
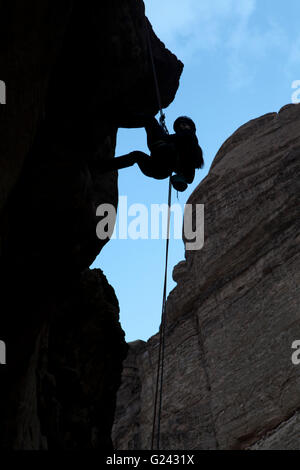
(161, 351)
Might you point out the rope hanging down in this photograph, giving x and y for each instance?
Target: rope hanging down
(161, 352)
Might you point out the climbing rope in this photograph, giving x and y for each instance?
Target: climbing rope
(162, 115)
(161, 352)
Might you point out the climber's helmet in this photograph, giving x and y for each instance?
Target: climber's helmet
(184, 123)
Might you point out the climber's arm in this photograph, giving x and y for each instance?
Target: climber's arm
(154, 131)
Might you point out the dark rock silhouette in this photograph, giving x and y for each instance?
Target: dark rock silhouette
(229, 379)
(69, 69)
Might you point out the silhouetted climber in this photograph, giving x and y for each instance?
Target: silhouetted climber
(177, 153)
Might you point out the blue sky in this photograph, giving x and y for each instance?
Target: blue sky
(240, 60)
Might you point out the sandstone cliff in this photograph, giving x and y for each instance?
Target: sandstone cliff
(71, 69)
(229, 382)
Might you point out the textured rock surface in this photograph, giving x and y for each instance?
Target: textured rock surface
(229, 382)
(30, 35)
(70, 71)
(85, 351)
(66, 397)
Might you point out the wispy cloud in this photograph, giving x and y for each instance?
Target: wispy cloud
(228, 27)
(189, 25)
(202, 23)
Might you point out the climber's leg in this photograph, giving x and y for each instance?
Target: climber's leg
(123, 161)
(152, 167)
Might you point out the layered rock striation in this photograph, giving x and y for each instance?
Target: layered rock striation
(229, 379)
(72, 71)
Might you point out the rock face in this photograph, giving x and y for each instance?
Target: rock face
(71, 73)
(229, 381)
(66, 395)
